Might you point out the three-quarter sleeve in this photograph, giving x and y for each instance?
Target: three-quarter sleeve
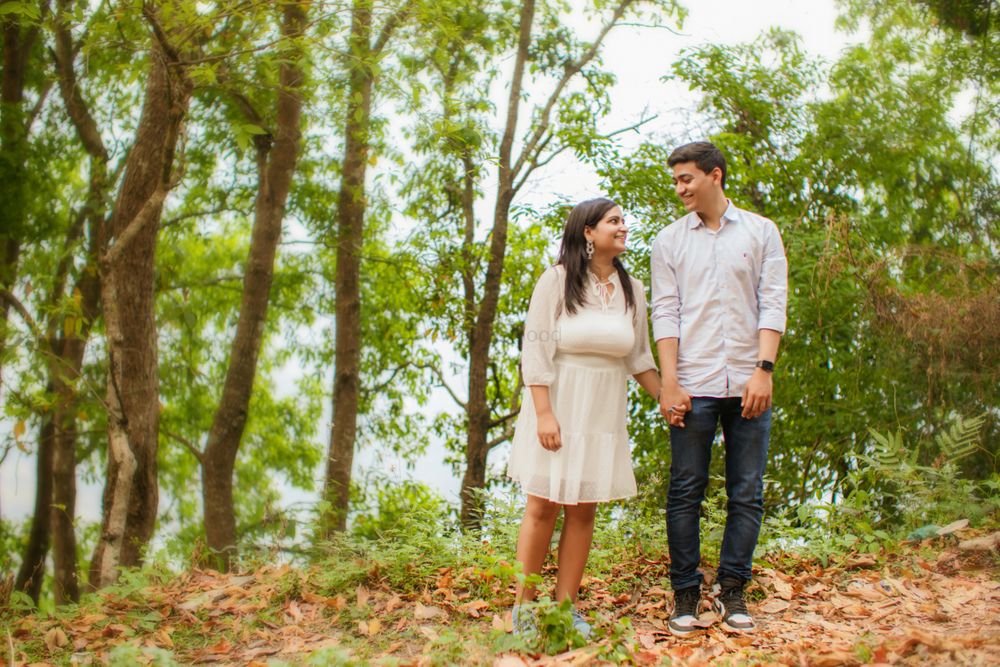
(666, 295)
(538, 348)
(772, 290)
(640, 358)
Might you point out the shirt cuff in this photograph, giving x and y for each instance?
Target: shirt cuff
(665, 329)
(543, 379)
(774, 321)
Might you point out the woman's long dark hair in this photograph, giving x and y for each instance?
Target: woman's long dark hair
(573, 253)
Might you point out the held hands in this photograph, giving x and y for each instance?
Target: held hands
(548, 432)
(757, 394)
(674, 403)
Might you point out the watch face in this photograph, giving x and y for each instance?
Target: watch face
(766, 365)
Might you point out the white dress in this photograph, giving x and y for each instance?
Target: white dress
(584, 359)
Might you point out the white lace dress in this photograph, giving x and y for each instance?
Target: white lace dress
(584, 359)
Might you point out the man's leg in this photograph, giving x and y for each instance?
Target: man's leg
(690, 456)
(746, 457)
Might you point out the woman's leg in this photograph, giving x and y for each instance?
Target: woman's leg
(574, 547)
(533, 540)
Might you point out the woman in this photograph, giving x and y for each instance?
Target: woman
(586, 329)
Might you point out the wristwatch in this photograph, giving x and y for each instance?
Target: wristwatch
(766, 366)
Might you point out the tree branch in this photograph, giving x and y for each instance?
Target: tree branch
(76, 107)
(145, 216)
(8, 296)
(571, 69)
(382, 385)
(440, 376)
(503, 437)
(506, 418)
(390, 26)
(190, 446)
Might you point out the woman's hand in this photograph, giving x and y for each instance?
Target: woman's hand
(548, 431)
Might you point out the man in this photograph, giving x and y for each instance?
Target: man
(719, 289)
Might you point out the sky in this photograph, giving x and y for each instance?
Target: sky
(639, 57)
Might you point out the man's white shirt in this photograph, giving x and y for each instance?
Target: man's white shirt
(714, 290)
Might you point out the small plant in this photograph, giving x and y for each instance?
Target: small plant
(554, 626)
(618, 643)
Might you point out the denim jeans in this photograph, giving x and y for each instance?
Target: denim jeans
(746, 442)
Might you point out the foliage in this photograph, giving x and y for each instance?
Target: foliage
(893, 274)
(879, 168)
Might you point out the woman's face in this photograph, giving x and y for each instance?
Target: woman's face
(609, 234)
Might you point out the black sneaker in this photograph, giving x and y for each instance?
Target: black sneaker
(731, 606)
(685, 613)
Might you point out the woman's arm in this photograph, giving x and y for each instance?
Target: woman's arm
(650, 381)
(548, 426)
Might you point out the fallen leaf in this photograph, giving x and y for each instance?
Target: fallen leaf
(815, 588)
(363, 596)
(833, 659)
(394, 603)
(706, 619)
(989, 542)
(509, 661)
(860, 562)
(774, 606)
(221, 647)
(952, 527)
(427, 612)
(782, 589)
(498, 624)
(55, 639)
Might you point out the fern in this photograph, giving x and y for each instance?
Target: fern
(961, 439)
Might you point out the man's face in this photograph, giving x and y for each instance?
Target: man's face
(696, 188)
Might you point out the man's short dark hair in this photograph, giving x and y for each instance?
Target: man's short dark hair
(705, 155)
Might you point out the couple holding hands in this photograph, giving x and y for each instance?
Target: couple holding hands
(719, 289)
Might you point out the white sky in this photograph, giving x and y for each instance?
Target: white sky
(639, 57)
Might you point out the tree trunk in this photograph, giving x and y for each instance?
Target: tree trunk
(350, 238)
(65, 374)
(275, 168)
(32, 571)
(17, 45)
(477, 409)
(511, 176)
(127, 297)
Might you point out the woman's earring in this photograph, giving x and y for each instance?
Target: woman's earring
(590, 249)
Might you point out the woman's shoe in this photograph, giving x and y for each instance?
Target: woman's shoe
(523, 621)
(581, 625)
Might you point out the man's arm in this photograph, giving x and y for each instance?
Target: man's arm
(666, 330)
(674, 401)
(772, 295)
(758, 390)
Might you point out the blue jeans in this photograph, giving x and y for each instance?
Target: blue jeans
(691, 453)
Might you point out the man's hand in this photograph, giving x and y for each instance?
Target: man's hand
(674, 403)
(548, 432)
(757, 394)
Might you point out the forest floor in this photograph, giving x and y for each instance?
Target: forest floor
(928, 603)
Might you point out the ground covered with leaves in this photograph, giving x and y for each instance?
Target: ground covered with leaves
(930, 602)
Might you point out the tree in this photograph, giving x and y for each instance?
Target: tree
(548, 56)
(127, 296)
(276, 153)
(366, 45)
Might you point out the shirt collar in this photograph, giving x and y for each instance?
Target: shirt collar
(731, 215)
